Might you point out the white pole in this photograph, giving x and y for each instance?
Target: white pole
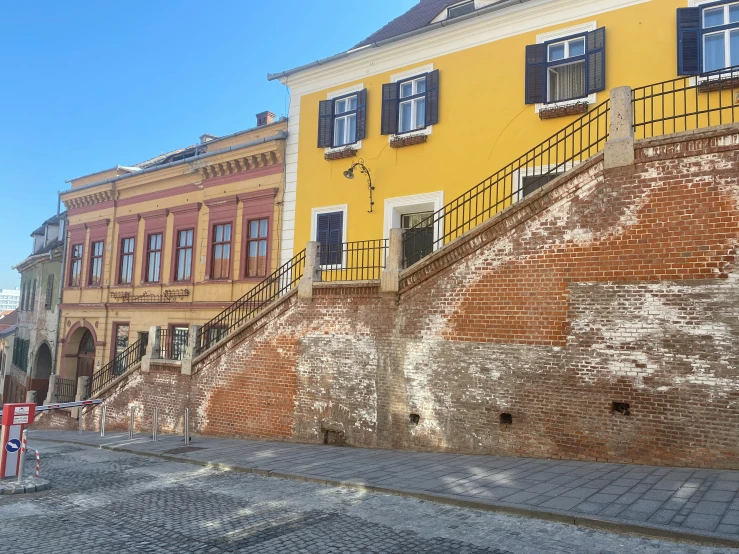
(130, 425)
(102, 420)
(156, 425)
(187, 426)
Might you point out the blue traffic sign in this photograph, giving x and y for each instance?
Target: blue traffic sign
(13, 445)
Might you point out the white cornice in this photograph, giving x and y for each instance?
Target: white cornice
(519, 19)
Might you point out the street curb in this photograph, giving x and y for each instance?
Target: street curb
(604, 524)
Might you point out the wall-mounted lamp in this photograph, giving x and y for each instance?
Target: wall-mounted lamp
(349, 174)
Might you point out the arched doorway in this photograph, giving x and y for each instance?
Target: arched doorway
(86, 355)
(40, 373)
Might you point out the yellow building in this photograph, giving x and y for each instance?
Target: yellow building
(453, 91)
(168, 242)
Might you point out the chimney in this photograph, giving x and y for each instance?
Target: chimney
(265, 118)
(207, 138)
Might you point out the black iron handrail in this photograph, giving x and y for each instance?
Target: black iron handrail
(123, 362)
(362, 260)
(575, 143)
(253, 302)
(686, 103)
(66, 390)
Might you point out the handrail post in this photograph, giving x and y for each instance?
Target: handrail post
(312, 271)
(390, 276)
(619, 149)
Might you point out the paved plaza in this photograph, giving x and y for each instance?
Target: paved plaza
(112, 502)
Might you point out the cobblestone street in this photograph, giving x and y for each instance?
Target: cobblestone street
(113, 502)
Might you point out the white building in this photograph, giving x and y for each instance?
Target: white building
(9, 299)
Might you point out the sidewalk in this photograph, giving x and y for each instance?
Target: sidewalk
(685, 504)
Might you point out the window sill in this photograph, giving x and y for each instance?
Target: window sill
(708, 84)
(341, 153)
(400, 141)
(562, 110)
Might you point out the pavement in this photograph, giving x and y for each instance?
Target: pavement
(111, 502)
(683, 504)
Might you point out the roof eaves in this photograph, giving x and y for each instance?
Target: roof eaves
(427, 29)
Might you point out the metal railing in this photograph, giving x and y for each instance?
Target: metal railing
(123, 362)
(686, 104)
(275, 285)
(173, 343)
(353, 261)
(575, 143)
(66, 390)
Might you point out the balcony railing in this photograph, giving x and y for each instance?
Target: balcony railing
(274, 286)
(173, 343)
(575, 143)
(66, 390)
(686, 104)
(123, 362)
(353, 261)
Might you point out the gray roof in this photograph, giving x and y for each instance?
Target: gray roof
(416, 18)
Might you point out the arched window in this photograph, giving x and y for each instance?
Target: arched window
(49, 292)
(87, 344)
(33, 297)
(23, 297)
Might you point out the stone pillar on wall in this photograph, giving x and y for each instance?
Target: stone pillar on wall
(153, 349)
(390, 276)
(619, 150)
(312, 272)
(51, 397)
(192, 341)
(82, 385)
(31, 397)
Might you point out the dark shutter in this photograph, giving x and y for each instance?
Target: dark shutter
(536, 66)
(432, 98)
(361, 114)
(688, 41)
(596, 61)
(330, 230)
(326, 124)
(389, 109)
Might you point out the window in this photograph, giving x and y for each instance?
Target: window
(345, 120)
(32, 304)
(120, 344)
(419, 235)
(256, 248)
(460, 9)
(566, 68)
(342, 120)
(708, 37)
(179, 339)
(221, 258)
(96, 264)
(49, 292)
(721, 47)
(330, 235)
(532, 183)
(410, 104)
(412, 110)
(154, 258)
(184, 255)
(75, 266)
(22, 304)
(127, 251)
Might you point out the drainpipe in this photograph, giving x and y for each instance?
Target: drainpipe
(61, 290)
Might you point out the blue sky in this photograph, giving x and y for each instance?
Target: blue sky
(86, 85)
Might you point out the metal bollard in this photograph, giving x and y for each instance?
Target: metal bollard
(24, 440)
(156, 425)
(130, 425)
(187, 425)
(102, 420)
(79, 415)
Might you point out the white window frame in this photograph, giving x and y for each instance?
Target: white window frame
(705, 32)
(519, 174)
(413, 100)
(345, 116)
(718, 76)
(333, 95)
(563, 33)
(315, 212)
(402, 205)
(403, 76)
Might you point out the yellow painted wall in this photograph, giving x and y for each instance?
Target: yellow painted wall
(484, 122)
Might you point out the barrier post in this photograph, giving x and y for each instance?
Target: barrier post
(130, 424)
(156, 425)
(187, 425)
(102, 420)
(22, 461)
